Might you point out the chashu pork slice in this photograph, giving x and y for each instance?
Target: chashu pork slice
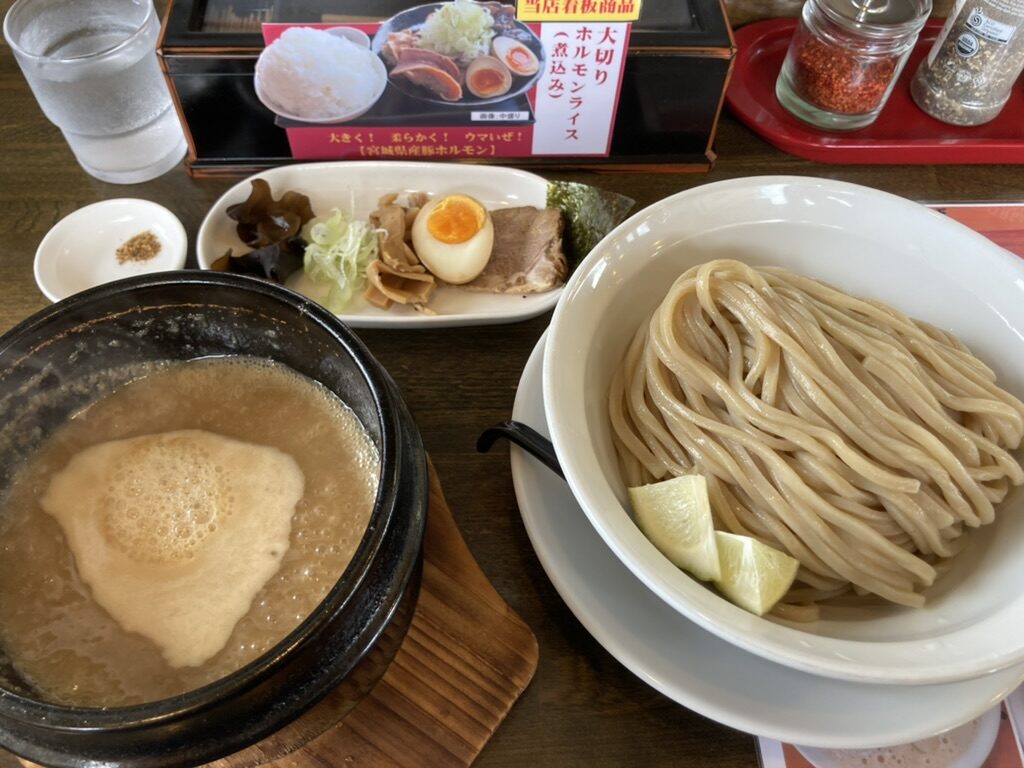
(409, 56)
(527, 256)
(397, 42)
(428, 69)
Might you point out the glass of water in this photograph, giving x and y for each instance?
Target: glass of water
(93, 68)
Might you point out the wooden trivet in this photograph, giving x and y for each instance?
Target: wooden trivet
(464, 663)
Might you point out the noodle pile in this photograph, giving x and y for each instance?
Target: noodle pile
(836, 429)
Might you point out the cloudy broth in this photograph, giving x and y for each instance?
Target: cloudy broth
(74, 652)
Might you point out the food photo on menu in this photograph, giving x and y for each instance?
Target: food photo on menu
(457, 78)
(459, 55)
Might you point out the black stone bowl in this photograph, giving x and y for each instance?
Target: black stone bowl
(48, 368)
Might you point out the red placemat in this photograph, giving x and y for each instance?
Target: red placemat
(901, 134)
(1002, 223)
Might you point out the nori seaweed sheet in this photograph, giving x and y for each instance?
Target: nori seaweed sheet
(590, 214)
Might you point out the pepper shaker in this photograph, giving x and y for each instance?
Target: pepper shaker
(968, 74)
(844, 59)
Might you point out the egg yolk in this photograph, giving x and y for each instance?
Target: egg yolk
(456, 219)
(518, 58)
(487, 80)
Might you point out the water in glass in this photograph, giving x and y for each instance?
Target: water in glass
(93, 68)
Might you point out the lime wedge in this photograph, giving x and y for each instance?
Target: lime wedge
(676, 517)
(755, 576)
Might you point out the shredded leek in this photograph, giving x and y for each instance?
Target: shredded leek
(338, 250)
(462, 29)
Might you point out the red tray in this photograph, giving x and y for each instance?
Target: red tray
(901, 134)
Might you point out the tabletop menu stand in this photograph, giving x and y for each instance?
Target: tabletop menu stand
(464, 663)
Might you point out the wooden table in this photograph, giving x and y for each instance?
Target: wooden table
(583, 708)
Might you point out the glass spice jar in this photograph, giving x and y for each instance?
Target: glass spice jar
(844, 59)
(968, 75)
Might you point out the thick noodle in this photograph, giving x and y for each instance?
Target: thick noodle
(837, 429)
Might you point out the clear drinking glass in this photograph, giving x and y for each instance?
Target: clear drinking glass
(93, 68)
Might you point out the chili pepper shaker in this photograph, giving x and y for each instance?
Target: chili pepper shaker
(968, 74)
(845, 57)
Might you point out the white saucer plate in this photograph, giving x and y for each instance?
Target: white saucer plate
(696, 668)
(80, 250)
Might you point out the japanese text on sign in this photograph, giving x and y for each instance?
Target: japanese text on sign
(579, 88)
(578, 10)
(455, 143)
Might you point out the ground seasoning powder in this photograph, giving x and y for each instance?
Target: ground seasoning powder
(967, 76)
(840, 81)
(142, 247)
(844, 59)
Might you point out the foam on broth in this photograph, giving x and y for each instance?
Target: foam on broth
(71, 649)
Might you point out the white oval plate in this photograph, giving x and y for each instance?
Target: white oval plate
(868, 243)
(698, 669)
(358, 185)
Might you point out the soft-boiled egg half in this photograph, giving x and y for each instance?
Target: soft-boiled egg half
(453, 237)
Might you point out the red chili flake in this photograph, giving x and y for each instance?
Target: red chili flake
(839, 81)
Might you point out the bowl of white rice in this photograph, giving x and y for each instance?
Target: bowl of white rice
(319, 76)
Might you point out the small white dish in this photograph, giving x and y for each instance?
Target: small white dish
(695, 667)
(870, 244)
(358, 186)
(80, 251)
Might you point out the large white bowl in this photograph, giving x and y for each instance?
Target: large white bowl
(870, 244)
